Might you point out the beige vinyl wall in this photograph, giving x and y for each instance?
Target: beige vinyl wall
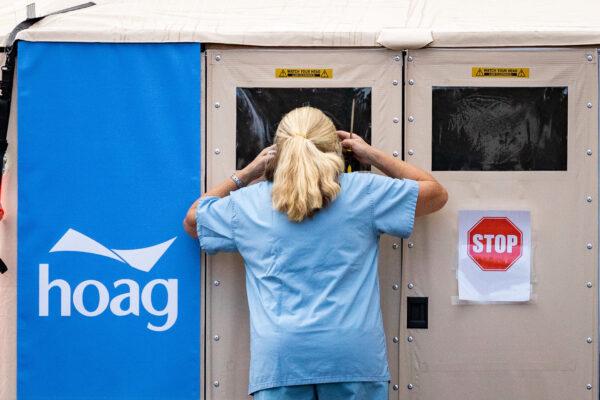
(537, 350)
(226, 307)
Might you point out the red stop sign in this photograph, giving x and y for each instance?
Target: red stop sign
(495, 243)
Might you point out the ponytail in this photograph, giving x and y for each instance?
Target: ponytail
(306, 169)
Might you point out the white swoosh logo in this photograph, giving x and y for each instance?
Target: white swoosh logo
(142, 259)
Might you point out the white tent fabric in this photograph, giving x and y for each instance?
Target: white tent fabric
(14, 11)
(397, 24)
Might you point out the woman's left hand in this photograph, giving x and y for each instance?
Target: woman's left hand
(256, 168)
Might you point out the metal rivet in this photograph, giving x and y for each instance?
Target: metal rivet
(216, 283)
(589, 152)
(217, 105)
(411, 245)
(410, 386)
(411, 152)
(589, 57)
(396, 387)
(216, 383)
(588, 199)
(411, 82)
(589, 246)
(410, 338)
(395, 82)
(395, 154)
(589, 105)
(411, 285)
(396, 58)
(395, 286)
(218, 57)
(395, 246)
(216, 337)
(589, 284)
(588, 386)
(217, 151)
(396, 120)
(589, 340)
(410, 58)
(395, 339)
(411, 118)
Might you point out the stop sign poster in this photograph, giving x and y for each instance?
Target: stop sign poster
(494, 255)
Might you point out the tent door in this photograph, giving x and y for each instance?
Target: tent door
(248, 91)
(509, 142)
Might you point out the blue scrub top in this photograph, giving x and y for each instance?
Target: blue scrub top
(313, 289)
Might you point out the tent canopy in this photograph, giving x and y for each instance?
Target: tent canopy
(396, 24)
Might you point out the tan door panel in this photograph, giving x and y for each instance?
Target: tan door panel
(534, 350)
(226, 307)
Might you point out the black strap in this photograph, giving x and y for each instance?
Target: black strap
(6, 84)
(30, 21)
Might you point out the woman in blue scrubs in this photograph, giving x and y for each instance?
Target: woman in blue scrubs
(309, 234)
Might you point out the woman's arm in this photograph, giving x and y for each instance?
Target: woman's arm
(250, 174)
(432, 195)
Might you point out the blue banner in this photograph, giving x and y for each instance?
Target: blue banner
(109, 161)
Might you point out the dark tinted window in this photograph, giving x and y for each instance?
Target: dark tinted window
(259, 111)
(499, 128)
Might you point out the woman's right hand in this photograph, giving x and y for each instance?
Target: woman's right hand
(432, 195)
(361, 150)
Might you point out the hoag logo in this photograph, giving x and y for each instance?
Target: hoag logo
(142, 259)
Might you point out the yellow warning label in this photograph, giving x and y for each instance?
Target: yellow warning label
(487, 72)
(321, 73)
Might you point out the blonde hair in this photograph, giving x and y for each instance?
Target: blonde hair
(307, 164)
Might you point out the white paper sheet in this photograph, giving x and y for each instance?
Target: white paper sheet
(494, 256)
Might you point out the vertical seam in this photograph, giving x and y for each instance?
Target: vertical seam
(372, 204)
(234, 222)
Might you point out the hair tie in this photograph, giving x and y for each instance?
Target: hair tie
(300, 137)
